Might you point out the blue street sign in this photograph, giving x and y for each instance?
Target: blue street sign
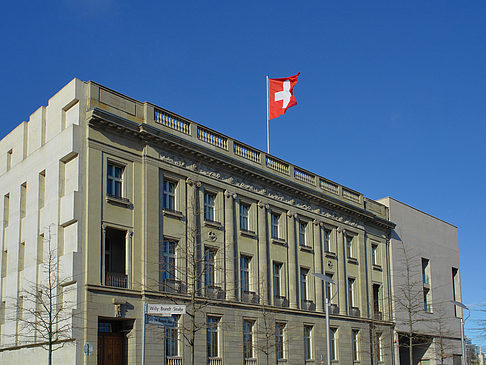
(161, 321)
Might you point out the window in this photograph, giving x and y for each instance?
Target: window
(427, 301)
(209, 266)
(114, 183)
(329, 288)
(303, 284)
(248, 339)
(213, 336)
(379, 346)
(115, 257)
(302, 235)
(307, 342)
(351, 298)
(277, 288)
(374, 254)
(275, 218)
(425, 271)
(167, 260)
(23, 199)
(327, 240)
(170, 195)
(209, 201)
(376, 300)
(280, 340)
(333, 335)
(244, 217)
(172, 338)
(245, 273)
(42, 188)
(349, 247)
(355, 344)
(455, 286)
(9, 159)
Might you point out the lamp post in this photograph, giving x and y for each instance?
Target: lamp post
(328, 280)
(459, 304)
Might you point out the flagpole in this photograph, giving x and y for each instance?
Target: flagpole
(268, 127)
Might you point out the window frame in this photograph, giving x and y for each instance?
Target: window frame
(308, 353)
(112, 180)
(326, 239)
(209, 205)
(245, 223)
(213, 336)
(350, 254)
(170, 342)
(245, 271)
(210, 266)
(169, 196)
(280, 336)
(277, 278)
(248, 338)
(167, 252)
(333, 332)
(302, 232)
(304, 284)
(275, 225)
(355, 344)
(351, 292)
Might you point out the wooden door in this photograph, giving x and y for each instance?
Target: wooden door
(110, 348)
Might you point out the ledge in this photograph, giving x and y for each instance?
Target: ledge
(172, 213)
(353, 261)
(213, 224)
(306, 248)
(246, 233)
(279, 241)
(329, 254)
(377, 267)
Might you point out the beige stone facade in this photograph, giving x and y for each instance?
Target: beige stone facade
(149, 207)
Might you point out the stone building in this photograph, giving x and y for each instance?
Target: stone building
(145, 206)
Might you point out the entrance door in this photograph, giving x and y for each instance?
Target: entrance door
(110, 348)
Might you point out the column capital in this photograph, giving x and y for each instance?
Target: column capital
(263, 205)
(230, 194)
(192, 182)
(292, 214)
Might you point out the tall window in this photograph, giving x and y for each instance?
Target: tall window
(280, 340)
(355, 344)
(349, 247)
(169, 195)
(303, 284)
(329, 288)
(209, 266)
(376, 299)
(455, 286)
(374, 254)
(351, 298)
(327, 240)
(167, 260)
(114, 180)
(209, 201)
(248, 339)
(172, 339)
(277, 271)
(425, 271)
(244, 217)
(245, 273)
(275, 218)
(302, 236)
(213, 336)
(379, 346)
(307, 342)
(333, 335)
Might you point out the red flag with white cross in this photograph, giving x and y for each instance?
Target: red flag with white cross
(280, 95)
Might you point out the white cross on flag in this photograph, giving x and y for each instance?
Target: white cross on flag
(280, 95)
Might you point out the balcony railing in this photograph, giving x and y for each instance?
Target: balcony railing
(378, 315)
(308, 305)
(214, 292)
(354, 312)
(280, 301)
(333, 309)
(249, 297)
(250, 361)
(174, 361)
(116, 279)
(172, 286)
(215, 361)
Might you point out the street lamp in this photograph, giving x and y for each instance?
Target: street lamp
(327, 280)
(459, 304)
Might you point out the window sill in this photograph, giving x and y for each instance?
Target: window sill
(118, 201)
(329, 254)
(172, 213)
(213, 224)
(246, 233)
(352, 260)
(279, 241)
(306, 248)
(377, 267)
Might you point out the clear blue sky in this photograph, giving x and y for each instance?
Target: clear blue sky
(390, 98)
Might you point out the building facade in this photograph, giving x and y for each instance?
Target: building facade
(139, 205)
(425, 281)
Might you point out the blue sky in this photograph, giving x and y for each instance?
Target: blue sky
(390, 96)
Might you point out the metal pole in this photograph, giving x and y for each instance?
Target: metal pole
(268, 127)
(328, 331)
(143, 335)
(462, 343)
(165, 345)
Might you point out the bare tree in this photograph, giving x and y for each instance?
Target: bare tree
(44, 313)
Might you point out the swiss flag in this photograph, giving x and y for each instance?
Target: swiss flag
(280, 95)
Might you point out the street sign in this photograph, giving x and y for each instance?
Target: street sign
(165, 310)
(161, 321)
(88, 348)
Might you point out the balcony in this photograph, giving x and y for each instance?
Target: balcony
(307, 305)
(280, 301)
(214, 292)
(250, 361)
(377, 315)
(354, 312)
(333, 309)
(215, 361)
(174, 361)
(249, 297)
(116, 279)
(172, 286)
